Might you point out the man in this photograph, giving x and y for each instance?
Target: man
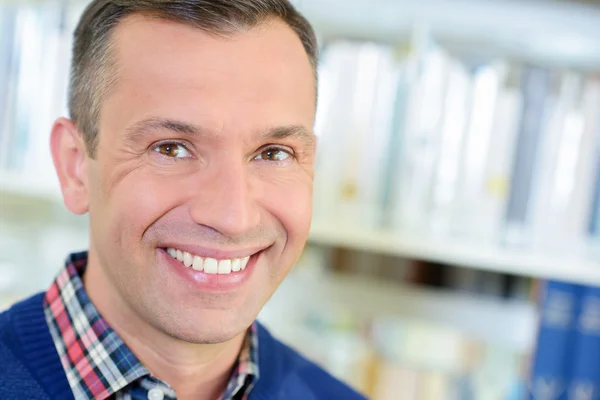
(191, 148)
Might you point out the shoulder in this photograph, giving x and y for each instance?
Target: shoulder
(16, 380)
(9, 318)
(294, 376)
(28, 309)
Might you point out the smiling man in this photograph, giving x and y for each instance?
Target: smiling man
(190, 146)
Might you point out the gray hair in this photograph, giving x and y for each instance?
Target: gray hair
(91, 72)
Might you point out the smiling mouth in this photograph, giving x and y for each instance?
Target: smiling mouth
(209, 265)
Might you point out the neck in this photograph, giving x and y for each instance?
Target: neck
(194, 371)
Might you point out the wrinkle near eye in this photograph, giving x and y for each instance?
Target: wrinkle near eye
(123, 160)
(121, 169)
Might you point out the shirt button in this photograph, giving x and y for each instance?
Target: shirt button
(155, 394)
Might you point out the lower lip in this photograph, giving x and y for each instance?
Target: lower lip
(211, 282)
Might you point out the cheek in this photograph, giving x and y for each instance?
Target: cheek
(290, 202)
(134, 204)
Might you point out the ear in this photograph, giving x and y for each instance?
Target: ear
(70, 161)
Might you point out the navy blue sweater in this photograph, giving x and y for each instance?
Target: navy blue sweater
(30, 367)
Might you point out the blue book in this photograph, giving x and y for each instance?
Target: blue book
(553, 357)
(584, 382)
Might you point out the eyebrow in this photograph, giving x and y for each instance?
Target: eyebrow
(159, 124)
(188, 129)
(297, 131)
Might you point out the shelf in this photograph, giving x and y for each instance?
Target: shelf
(551, 32)
(582, 267)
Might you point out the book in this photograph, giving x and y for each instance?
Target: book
(552, 358)
(535, 84)
(561, 199)
(7, 27)
(391, 178)
(419, 146)
(29, 31)
(581, 205)
(452, 136)
(35, 46)
(11, 64)
(396, 381)
(482, 207)
(353, 126)
(594, 224)
(584, 377)
(47, 102)
(488, 80)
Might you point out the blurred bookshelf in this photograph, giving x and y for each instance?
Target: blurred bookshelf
(457, 188)
(398, 341)
(543, 264)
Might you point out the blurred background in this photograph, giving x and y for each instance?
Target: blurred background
(455, 248)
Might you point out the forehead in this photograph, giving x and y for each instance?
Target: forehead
(165, 67)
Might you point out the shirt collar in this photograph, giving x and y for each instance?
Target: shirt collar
(97, 363)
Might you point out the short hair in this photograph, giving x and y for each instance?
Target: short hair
(91, 76)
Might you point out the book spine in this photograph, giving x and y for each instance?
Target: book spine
(13, 62)
(354, 128)
(553, 355)
(594, 221)
(535, 84)
(476, 153)
(7, 31)
(452, 135)
(584, 382)
(391, 170)
(563, 192)
(562, 125)
(48, 95)
(581, 206)
(419, 149)
(335, 71)
(594, 225)
(488, 213)
(362, 191)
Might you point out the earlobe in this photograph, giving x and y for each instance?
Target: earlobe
(70, 161)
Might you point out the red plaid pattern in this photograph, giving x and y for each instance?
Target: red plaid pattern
(98, 364)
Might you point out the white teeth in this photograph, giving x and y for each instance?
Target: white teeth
(224, 267)
(198, 264)
(188, 259)
(211, 266)
(245, 262)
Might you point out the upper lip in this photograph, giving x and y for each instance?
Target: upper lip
(218, 254)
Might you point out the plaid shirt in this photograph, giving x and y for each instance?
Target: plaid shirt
(99, 365)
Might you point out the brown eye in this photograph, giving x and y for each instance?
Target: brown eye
(172, 150)
(274, 154)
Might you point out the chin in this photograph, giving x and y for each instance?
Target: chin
(206, 327)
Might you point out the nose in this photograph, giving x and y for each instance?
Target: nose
(225, 201)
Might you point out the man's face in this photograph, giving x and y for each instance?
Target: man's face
(205, 147)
